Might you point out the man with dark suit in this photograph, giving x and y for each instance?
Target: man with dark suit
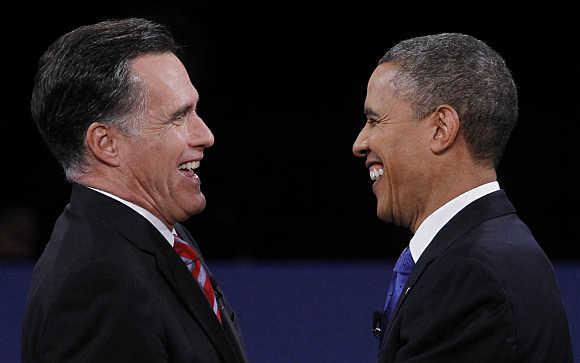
(473, 285)
(120, 279)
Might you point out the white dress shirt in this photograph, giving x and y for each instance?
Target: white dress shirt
(436, 220)
(156, 222)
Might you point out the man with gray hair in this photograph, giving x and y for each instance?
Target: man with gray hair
(473, 285)
(120, 279)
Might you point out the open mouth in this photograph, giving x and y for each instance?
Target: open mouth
(188, 168)
(376, 170)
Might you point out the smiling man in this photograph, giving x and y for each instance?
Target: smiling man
(120, 279)
(473, 285)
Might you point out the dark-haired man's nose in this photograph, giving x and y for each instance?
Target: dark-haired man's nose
(360, 148)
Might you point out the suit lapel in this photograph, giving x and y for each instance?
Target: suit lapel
(138, 231)
(231, 329)
(490, 206)
(229, 326)
(192, 296)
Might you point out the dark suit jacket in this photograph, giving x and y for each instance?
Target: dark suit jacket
(482, 291)
(109, 288)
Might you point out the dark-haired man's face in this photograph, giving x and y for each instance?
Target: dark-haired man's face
(160, 161)
(396, 147)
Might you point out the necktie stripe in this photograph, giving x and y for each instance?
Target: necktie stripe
(193, 263)
(201, 276)
(184, 250)
(209, 290)
(196, 268)
(188, 262)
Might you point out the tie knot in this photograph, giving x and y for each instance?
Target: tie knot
(177, 239)
(405, 262)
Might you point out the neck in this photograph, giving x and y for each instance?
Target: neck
(450, 185)
(114, 184)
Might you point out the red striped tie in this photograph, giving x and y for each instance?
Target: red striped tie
(193, 263)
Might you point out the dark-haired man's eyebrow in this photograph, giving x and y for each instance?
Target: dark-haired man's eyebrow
(370, 113)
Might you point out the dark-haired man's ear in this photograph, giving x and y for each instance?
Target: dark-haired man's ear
(446, 128)
(101, 142)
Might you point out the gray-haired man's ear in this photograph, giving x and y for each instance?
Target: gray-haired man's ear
(101, 141)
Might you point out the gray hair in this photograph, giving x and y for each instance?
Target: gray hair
(465, 73)
(85, 76)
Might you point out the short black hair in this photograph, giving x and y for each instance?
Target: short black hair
(467, 74)
(85, 76)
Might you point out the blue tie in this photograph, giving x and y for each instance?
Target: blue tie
(401, 273)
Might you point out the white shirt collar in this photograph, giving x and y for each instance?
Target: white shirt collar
(436, 220)
(156, 222)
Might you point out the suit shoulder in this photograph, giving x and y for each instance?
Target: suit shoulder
(88, 255)
(501, 242)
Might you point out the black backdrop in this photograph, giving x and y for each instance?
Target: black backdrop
(282, 88)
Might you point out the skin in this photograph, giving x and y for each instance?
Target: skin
(426, 161)
(142, 167)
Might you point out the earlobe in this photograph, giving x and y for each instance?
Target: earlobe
(101, 140)
(446, 128)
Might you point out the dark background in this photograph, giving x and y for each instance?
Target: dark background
(282, 88)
